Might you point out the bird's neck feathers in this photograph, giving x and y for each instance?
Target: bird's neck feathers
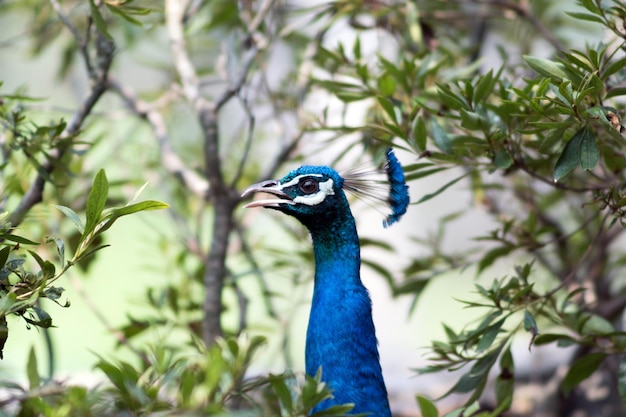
(341, 338)
(337, 252)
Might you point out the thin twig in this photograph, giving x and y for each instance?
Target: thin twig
(582, 260)
(522, 9)
(169, 159)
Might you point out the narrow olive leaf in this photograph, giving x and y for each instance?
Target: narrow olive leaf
(595, 325)
(71, 214)
(96, 201)
(386, 85)
(588, 153)
(60, 245)
(45, 321)
(280, 388)
(7, 300)
(47, 268)
(569, 158)
(4, 332)
(490, 257)
(17, 239)
(547, 68)
(621, 381)
(388, 108)
(440, 190)
(585, 16)
(131, 209)
(427, 408)
(546, 338)
(484, 87)
(613, 68)
(31, 370)
(502, 159)
(531, 326)
(418, 131)
(4, 255)
(489, 336)
(616, 92)
(98, 20)
(440, 137)
(470, 120)
(505, 382)
(580, 370)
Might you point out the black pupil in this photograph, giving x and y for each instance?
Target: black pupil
(309, 186)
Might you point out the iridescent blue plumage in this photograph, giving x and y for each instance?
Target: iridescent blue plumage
(399, 193)
(341, 338)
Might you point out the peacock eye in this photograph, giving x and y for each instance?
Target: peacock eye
(308, 186)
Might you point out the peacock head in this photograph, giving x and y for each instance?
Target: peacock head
(315, 194)
(312, 194)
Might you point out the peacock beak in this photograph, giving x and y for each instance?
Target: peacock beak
(270, 187)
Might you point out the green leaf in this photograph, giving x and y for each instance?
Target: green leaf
(489, 336)
(505, 382)
(595, 325)
(440, 190)
(7, 300)
(616, 92)
(4, 255)
(418, 132)
(569, 158)
(388, 108)
(440, 137)
(484, 87)
(123, 13)
(4, 332)
(60, 245)
(277, 382)
(585, 16)
(580, 370)
(490, 257)
(427, 408)
(545, 67)
(450, 99)
(71, 214)
(423, 173)
(530, 325)
(545, 338)
(96, 201)
(98, 20)
(582, 150)
(31, 370)
(470, 120)
(386, 85)
(147, 205)
(44, 321)
(47, 268)
(17, 239)
(502, 159)
(356, 48)
(588, 152)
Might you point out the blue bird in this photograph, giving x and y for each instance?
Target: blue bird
(341, 338)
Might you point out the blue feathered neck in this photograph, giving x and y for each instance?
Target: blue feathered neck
(341, 337)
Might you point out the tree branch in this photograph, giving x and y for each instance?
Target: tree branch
(169, 159)
(223, 197)
(34, 195)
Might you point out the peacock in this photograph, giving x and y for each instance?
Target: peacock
(340, 339)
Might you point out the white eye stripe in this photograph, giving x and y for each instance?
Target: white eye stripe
(326, 189)
(297, 179)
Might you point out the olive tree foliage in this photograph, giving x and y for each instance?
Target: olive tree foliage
(497, 97)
